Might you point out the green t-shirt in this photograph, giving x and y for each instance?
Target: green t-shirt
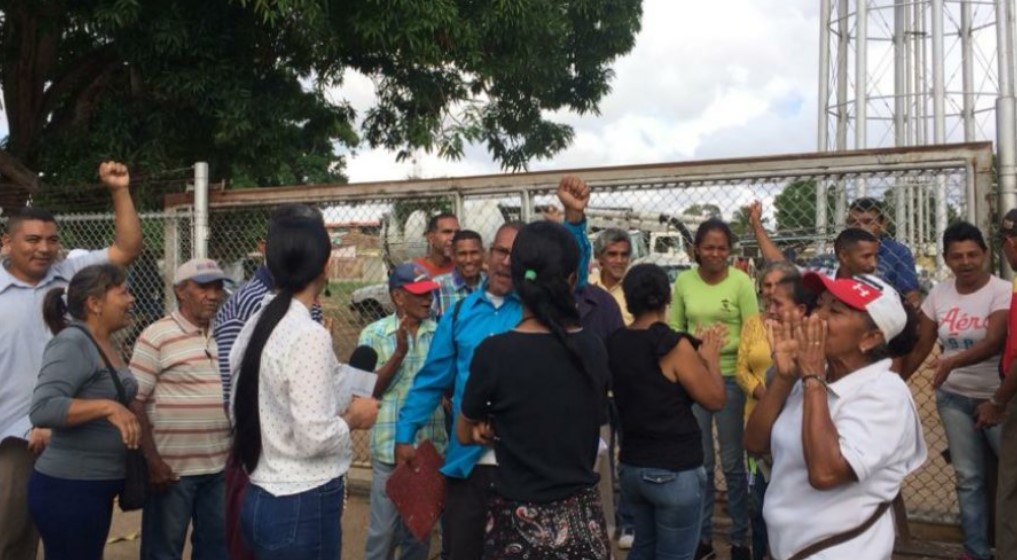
(697, 304)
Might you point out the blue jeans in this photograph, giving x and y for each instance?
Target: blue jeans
(72, 516)
(386, 530)
(166, 517)
(968, 447)
(730, 425)
(757, 491)
(304, 526)
(666, 508)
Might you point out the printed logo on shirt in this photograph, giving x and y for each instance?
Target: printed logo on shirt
(955, 321)
(726, 304)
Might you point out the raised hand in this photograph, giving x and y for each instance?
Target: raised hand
(713, 339)
(574, 194)
(755, 214)
(114, 175)
(785, 346)
(810, 335)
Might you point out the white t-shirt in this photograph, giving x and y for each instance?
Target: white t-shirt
(880, 437)
(962, 320)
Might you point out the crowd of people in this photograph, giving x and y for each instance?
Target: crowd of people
(523, 370)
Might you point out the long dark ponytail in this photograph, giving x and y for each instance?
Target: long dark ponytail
(297, 250)
(544, 256)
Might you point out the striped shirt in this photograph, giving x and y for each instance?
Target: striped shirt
(381, 336)
(174, 362)
(231, 317)
(451, 288)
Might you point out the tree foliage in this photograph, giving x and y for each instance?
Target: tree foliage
(796, 210)
(248, 85)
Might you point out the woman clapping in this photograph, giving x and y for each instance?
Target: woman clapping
(843, 428)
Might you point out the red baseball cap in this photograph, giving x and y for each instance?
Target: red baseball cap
(864, 292)
(413, 278)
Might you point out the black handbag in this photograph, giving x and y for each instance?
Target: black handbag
(135, 490)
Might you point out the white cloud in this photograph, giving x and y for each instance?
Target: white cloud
(707, 79)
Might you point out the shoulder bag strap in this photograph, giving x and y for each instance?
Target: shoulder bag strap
(121, 393)
(840, 538)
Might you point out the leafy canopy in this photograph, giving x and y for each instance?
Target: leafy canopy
(249, 85)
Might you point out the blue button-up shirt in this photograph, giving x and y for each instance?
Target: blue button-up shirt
(896, 265)
(448, 361)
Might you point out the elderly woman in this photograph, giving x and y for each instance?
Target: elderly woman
(780, 290)
(967, 315)
(841, 426)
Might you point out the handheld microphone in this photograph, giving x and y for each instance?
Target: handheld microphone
(364, 358)
(360, 370)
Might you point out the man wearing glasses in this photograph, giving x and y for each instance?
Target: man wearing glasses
(493, 309)
(185, 431)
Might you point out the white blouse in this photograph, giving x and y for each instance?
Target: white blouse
(881, 438)
(301, 394)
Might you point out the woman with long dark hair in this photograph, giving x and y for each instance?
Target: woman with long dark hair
(717, 293)
(82, 469)
(292, 409)
(657, 376)
(542, 388)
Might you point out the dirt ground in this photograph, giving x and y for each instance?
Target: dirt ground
(124, 538)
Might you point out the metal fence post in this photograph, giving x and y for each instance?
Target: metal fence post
(200, 247)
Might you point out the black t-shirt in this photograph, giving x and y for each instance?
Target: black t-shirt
(658, 427)
(546, 411)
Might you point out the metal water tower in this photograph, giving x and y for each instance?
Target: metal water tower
(915, 72)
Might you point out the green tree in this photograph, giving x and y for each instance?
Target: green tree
(795, 207)
(244, 84)
(703, 211)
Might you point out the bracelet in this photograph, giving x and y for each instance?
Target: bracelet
(996, 404)
(821, 380)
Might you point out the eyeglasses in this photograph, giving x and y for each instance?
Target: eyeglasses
(500, 253)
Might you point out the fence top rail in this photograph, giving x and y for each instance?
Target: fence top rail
(978, 154)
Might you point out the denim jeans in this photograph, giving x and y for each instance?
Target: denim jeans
(730, 426)
(386, 530)
(757, 492)
(304, 526)
(967, 454)
(166, 516)
(666, 508)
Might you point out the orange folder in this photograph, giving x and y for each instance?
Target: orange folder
(419, 492)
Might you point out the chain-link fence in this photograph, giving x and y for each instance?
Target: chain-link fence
(804, 199)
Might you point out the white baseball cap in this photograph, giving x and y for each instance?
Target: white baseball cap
(201, 271)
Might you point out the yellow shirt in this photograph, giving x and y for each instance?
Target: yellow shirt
(617, 293)
(753, 360)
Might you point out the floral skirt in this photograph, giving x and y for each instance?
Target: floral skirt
(568, 529)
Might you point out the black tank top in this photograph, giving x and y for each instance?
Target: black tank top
(657, 424)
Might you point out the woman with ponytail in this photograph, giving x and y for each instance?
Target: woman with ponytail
(538, 393)
(81, 470)
(292, 409)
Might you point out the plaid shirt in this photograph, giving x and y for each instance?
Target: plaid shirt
(381, 335)
(451, 288)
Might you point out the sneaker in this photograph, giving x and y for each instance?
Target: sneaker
(626, 539)
(705, 551)
(741, 553)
